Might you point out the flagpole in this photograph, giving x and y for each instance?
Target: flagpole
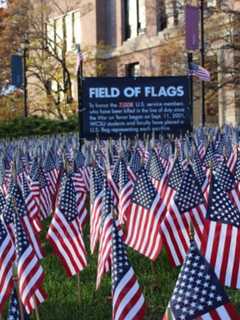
(79, 87)
(190, 80)
(202, 63)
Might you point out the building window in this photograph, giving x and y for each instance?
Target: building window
(64, 32)
(133, 69)
(135, 18)
(161, 15)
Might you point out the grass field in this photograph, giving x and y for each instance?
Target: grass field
(66, 302)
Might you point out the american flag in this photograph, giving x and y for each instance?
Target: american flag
(125, 191)
(199, 172)
(210, 156)
(128, 300)
(174, 181)
(143, 218)
(27, 223)
(14, 311)
(41, 192)
(134, 165)
(228, 183)
(188, 203)
(31, 206)
(157, 173)
(221, 237)
(65, 230)
(199, 72)
(29, 271)
(198, 293)
(51, 173)
(96, 202)
(105, 240)
(6, 265)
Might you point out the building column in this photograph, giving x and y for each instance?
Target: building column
(227, 95)
(120, 22)
(151, 17)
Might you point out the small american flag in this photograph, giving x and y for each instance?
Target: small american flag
(143, 218)
(64, 232)
(128, 300)
(96, 202)
(105, 249)
(199, 72)
(6, 264)
(29, 270)
(198, 293)
(125, 191)
(221, 238)
(188, 200)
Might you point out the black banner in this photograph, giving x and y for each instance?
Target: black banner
(130, 106)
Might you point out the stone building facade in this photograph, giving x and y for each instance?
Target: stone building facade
(146, 38)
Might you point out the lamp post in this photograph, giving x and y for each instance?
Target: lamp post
(79, 71)
(24, 47)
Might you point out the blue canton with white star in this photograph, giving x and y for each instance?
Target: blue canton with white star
(197, 289)
(220, 208)
(175, 176)
(120, 263)
(96, 182)
(144, 192)
(225, 177)
(189, 195)
(123, 174)
(156, 169)
(68, 201)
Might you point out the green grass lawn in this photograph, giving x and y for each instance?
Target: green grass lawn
(66, 302)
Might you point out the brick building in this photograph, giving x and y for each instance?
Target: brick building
(146, 38)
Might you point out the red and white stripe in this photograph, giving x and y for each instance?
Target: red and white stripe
(221, 248)
(124, 201)
(31, 276)
(67, 242)
(95, 220)
(175, 234)
(105, 249)
(6, 268)
(143, 228)
(128, 301)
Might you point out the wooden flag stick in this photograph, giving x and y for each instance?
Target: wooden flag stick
(78, 288)
(36, 308)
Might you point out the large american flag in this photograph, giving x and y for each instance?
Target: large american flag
(29, 271)
(6, 265)
(143, 218)
(221, 238)
(128, 300)
(199, 72)
(198, 293)
(65, 230)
